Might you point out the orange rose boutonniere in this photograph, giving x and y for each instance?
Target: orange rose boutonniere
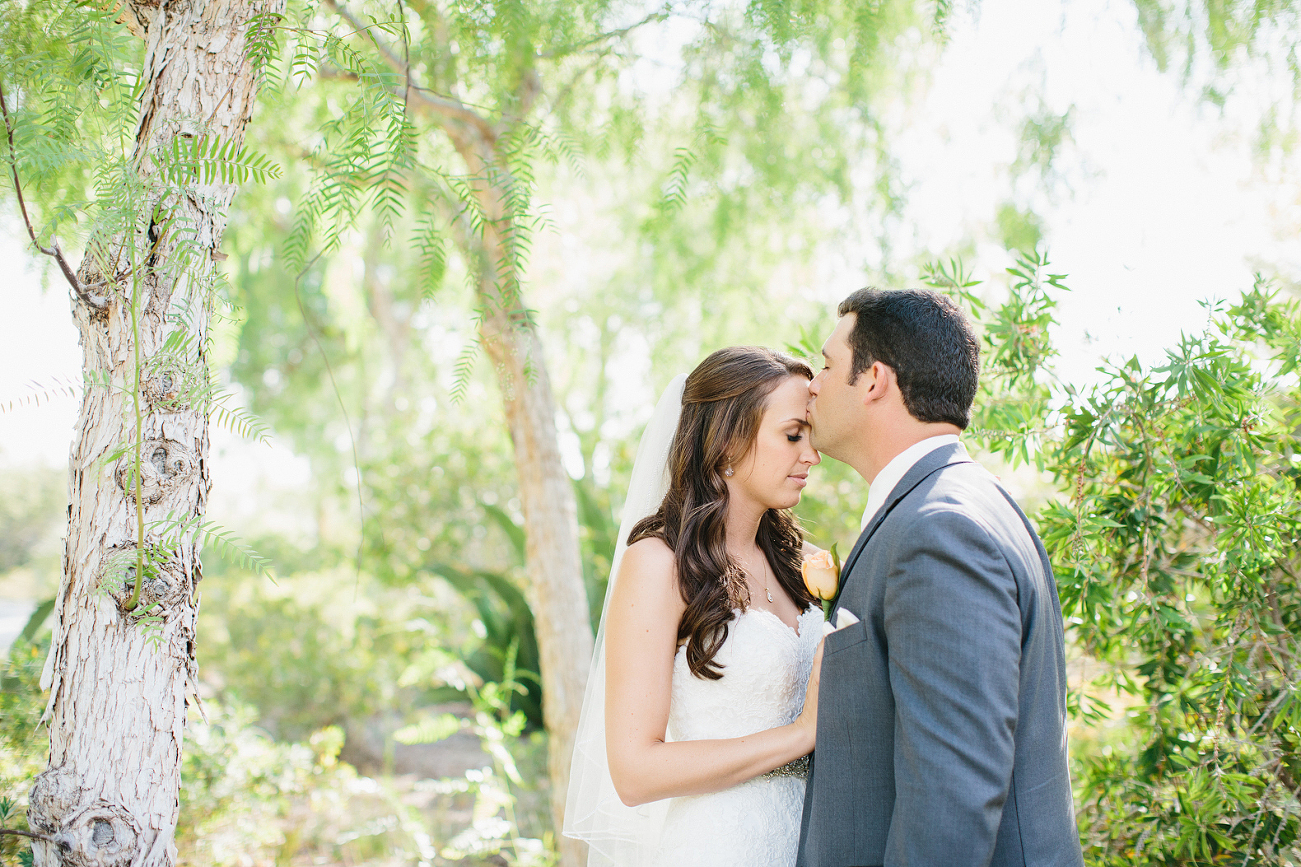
(822, 577)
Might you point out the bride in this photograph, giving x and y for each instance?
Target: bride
(691, 734)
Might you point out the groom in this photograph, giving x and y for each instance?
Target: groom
(941, 711)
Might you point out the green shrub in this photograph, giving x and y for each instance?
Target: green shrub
(1176, 550)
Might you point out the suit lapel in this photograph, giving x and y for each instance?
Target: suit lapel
(929, 463)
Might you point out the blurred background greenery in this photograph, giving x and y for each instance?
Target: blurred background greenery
(380, 701)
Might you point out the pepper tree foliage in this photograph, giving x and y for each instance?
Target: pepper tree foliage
(706, 183)
(1179, 32)
(1239, 52)
(389, 95)
(541, 84)
(1174, 538)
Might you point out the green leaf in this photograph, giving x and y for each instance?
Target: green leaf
(36, 620)
(174, 527)
(210, 160)
(429, 730)
(514, 532)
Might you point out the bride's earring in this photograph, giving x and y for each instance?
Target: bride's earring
(728, 472)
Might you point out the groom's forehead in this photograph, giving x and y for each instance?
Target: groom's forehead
(840, 336)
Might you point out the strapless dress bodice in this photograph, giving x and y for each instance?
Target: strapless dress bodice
(766, 667)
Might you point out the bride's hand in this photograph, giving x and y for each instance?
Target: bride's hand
(808, 718)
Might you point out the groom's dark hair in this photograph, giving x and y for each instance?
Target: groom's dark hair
(928, 343)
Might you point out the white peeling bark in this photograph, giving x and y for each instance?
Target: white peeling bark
(118, 698)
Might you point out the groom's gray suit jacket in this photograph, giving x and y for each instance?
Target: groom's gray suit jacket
(941, 713)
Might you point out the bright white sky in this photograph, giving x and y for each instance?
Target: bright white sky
(1163, 206)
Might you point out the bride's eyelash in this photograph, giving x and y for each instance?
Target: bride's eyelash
(794, 437)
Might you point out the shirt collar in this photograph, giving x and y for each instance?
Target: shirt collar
(898, 467)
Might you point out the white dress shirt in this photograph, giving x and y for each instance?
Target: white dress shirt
(893, 472)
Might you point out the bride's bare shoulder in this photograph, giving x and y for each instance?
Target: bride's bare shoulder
(648, 568)
(652, 551)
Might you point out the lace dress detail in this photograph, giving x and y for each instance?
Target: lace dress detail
(756, 824)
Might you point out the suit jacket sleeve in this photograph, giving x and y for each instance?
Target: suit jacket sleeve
(953, 628)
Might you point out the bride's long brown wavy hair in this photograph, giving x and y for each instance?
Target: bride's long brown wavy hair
(722, 405)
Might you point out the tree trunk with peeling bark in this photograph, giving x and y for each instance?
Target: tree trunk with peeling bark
(117, 706)
(556, 592)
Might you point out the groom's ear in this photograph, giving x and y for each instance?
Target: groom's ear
(877, 381)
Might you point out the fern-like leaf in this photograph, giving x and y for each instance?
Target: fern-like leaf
(306, 59)
(173, 529)
(210, 160)
(261, 46)
(39, 393)
(429, 730)
(940, 20)
(431, 244)
(242, 422)
(464, 368)
(674, 192)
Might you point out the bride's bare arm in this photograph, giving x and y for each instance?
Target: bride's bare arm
(641, 633)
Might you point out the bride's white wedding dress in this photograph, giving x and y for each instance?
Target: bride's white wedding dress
(756, 824)
(766, 668)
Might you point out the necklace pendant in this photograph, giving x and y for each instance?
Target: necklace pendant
(769, 592)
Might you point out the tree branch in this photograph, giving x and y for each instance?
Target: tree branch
(82, 291)
(406, 61)
(446, 106)
(32, 835)
(1285, 777)
(566, 50)
(565, 91)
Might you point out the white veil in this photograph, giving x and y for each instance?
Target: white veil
(618, 834)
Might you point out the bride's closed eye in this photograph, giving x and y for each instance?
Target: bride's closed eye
(794, 437)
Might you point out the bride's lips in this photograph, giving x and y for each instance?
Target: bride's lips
(803, 480)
